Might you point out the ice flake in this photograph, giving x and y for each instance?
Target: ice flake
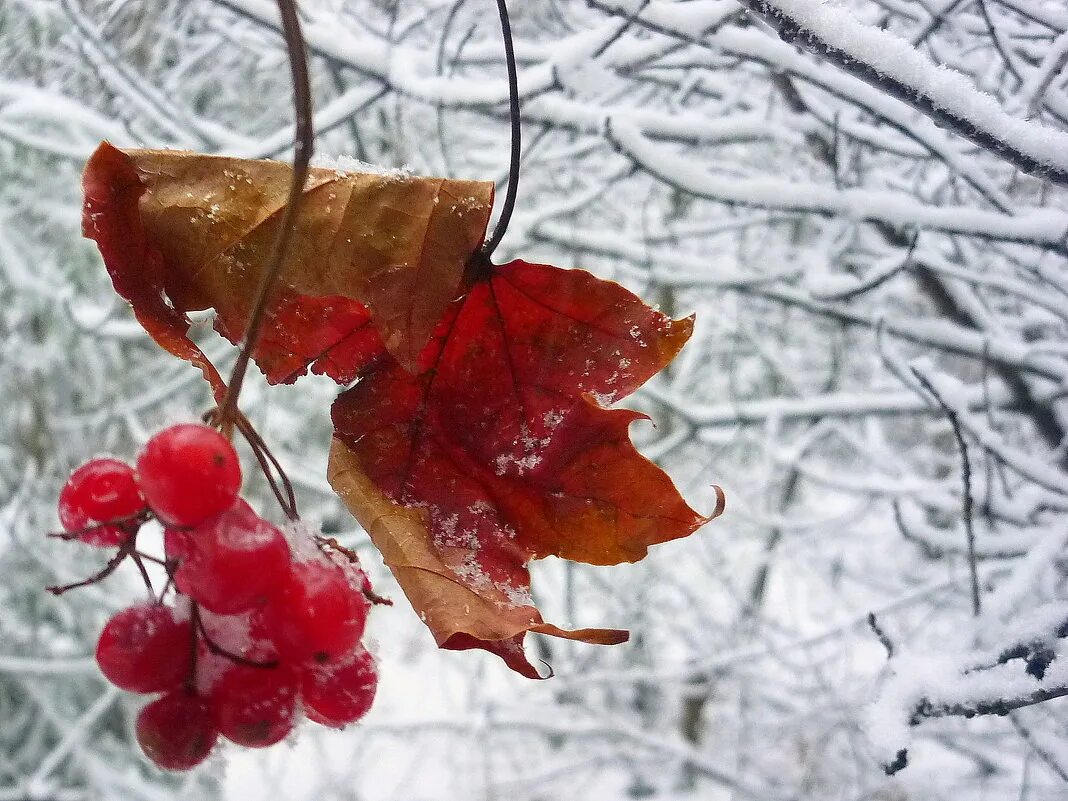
(552, 419)
(604, 398)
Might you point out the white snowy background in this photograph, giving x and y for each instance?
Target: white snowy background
(846, 245)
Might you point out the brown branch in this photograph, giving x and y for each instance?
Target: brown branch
(302, 153)
(966, 480)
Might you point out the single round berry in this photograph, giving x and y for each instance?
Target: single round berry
(177, 731)
(336, 695)
(189, 473)
(317, 616)
(233, 562)
(143, 649)
(256, 706)
(100, 491)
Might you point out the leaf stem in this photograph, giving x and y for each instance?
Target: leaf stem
(513, 114)
(302, 153)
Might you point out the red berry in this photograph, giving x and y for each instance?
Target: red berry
(177, 731)
(241, 635)
(256, 706)
(177, 543)
(100, 491)
(337, 695)
(233, 561)
(317, 616)
(143, 649)
(188, 473)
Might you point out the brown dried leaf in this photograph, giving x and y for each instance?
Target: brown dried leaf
(397, 244)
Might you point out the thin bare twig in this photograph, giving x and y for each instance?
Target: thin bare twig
(218, 650)
(966, 480)
(884, 638)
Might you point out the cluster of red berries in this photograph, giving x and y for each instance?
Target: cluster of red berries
(262, 628)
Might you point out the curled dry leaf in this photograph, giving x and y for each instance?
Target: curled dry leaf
(497, 452)
(476, 438)
(374, 255)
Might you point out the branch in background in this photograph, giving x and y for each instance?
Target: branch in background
(893, 67)
(966, 480)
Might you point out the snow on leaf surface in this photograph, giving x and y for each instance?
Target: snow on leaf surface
(497, 452)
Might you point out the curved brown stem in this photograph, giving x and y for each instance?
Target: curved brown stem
(302, 153)
(218, 650)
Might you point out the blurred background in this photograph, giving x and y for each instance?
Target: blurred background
(825, 235)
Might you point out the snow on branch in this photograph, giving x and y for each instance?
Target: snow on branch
(1040, 226)
(1030, 669)
(892, 65)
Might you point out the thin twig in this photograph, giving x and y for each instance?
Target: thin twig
(218, 650)
(136, 557)
(513, 114)
(125, 523)
(884, 638)
(269, 464)
(113, 563)
(966, 480)
(991, 706)
(348, 553)
(1043, 753)
(302, 153)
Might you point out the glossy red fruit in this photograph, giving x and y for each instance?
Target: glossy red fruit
(255, 706)
(336, 695)
(177, 731)
(143, 649)
(189, 473)
(233, 562)
(317, 616)
(99, 491)
(177, 543)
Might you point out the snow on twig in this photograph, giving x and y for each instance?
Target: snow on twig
(895, 67)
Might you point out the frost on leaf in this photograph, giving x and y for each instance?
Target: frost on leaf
(375, 257)
(496, 452)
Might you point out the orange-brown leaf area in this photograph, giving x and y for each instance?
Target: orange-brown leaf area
(476, 437)
(498, 451)
(183, 231)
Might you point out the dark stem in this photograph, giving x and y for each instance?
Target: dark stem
(348, 553)
(125, 550)
(513, 115)
(966, 480)
(269, 464)
(992, 706)
(218, 650)
(302, 153)
(130, 524)
(880, 633)
(136, 557)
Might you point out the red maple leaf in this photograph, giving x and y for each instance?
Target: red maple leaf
(499, 452)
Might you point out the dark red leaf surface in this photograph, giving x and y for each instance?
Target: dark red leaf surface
(499, 451)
